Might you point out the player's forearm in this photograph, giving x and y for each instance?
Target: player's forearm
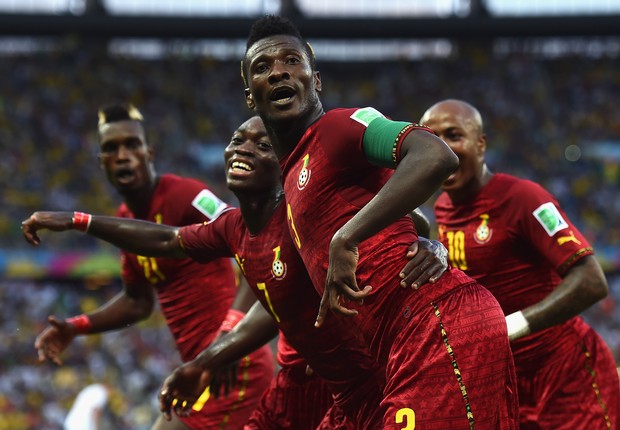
(582, 286)
(121, 312)
(253, 331)
(137, 236)
(418, 175)
(245, 298)
(421, 222)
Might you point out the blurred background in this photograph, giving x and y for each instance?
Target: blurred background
(544, 74)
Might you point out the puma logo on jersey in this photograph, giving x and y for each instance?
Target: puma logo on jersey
(570, 238)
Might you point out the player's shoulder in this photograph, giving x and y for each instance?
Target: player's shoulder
(518, 188)
(170, 180)
(362, 115)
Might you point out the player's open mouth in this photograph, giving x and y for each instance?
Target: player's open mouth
(240, 165)
(282, 95)
(124, 176)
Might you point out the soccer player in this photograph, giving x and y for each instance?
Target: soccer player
(257, 237)
(351, 176)
(511, 235)
(195, 299)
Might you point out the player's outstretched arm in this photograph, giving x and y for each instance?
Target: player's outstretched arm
(182, 389)
(136, 236)
(582, 285)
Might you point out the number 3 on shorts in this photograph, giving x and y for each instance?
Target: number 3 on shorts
(406, 413)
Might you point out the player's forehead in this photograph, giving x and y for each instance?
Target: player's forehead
(120, 130)
(274, 46)
(449, 115)
(252, 125)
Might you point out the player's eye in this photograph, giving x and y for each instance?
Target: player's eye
(132, 145)
(108, 148)
(260, 68)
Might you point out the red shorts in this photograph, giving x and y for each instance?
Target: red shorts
(232, 412)
(577, 390)
(450, 366)
(293, 401)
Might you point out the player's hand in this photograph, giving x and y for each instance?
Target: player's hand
(55, 221)
(225, 379)
(52, 341)
(429, 260)
(183, 388)
(341, 284)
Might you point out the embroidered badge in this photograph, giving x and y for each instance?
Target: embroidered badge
(208, 204)
(483, 233)
(550, 218)
(304, 174)
(365, 115)
(278, 267)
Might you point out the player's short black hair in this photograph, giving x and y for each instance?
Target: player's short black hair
(119, 112)
(274, 25)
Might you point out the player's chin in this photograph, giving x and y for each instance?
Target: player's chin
(235, 184)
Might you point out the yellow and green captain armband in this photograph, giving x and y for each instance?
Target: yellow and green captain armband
(383, 139)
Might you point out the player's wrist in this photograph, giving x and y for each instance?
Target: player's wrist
(518, 326)
(81, 323)
(232, 318)
(81, 221)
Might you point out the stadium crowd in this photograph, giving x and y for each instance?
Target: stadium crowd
(546, 118)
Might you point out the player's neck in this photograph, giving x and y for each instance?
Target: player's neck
(139, 201)
(472, 188)
(286, 134)
(258, 208)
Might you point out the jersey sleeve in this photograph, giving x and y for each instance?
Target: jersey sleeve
(545, 225)
(210, 240)
(199, 202)
(343, 136)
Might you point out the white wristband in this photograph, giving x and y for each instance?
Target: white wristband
(517, 325)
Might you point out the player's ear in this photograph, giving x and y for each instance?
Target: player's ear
(249, 100)
(317, 82)
(481, 146)
(150, 153)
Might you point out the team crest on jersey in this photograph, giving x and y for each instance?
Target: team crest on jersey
(278, 267)
(304, 174)
(483, 233)
(550, 218)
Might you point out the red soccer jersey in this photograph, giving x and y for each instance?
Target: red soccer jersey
(327, 179)
(515, 240)
(193, 297)
(278, 277)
